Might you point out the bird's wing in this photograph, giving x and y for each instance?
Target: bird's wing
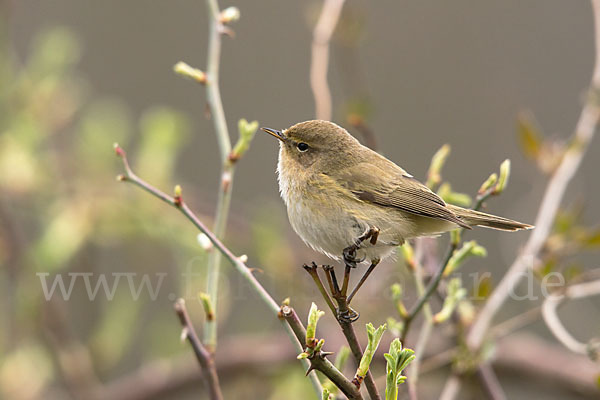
(391, 186)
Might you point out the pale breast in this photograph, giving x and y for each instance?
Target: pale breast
(329, 218)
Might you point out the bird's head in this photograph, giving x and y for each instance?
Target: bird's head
(316, 144)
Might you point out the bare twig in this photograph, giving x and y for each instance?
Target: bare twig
(490, 382)
(213, 97)
(240, 266)
(557, 185)
(431, 287)
(554, 323)
(320, 57)
(451, 388)
(204, 357)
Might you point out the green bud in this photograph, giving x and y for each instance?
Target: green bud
(207, 305)
(313, 317)
(397, 360)
(247, 131)
(230, 14)
(504, 175)
(455, 294)
(189, 72)
(397, 297)
(408, 254)
(437, 163)
(326, 394)
(468, 249)
(459, 199)
(396, 291)
(374, 337)
(488, 184)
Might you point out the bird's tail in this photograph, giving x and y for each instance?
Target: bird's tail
(477, 218)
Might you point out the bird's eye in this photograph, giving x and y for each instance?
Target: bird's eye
(302, 147)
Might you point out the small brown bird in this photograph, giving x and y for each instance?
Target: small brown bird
(337, 191)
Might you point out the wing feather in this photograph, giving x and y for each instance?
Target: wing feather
(393, 187)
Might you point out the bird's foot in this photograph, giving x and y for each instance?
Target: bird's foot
(348, 316)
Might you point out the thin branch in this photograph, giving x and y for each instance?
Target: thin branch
(318, 361)
(555, 190)
(451, 388)
(431, 287)
(490, 382)
(320, 57)
(241, 267)
(204, 357)
(554, 323)
(213, 97)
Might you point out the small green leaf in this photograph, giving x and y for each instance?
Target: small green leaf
(489, 183)
(313, 317)
(397, 360)
(374, 336)
(504, 175)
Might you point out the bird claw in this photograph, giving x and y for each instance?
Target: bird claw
(348, 315)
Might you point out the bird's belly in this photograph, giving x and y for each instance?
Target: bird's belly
(329, 229)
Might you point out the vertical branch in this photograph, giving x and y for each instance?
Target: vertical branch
(320, 57)
(213, 97)
(584, 132)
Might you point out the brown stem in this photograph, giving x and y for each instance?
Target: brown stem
(343, 315)
(204, 357)
(490, 382)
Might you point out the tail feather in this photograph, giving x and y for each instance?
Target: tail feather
(477, 218)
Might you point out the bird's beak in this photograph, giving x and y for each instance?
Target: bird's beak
(275, 133)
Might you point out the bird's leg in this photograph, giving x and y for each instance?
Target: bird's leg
(362, 280)
(342, 312)
(349, 252)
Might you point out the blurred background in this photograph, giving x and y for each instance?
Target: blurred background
(77, 76)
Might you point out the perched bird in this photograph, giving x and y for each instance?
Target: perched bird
(343, 197)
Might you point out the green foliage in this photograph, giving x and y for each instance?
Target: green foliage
(247, 131)
(468, 249)
(374, 337)
(455, 294)
(434, 176)
(503, 177)
(451, 197)
(311, 328)
(397, 360)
